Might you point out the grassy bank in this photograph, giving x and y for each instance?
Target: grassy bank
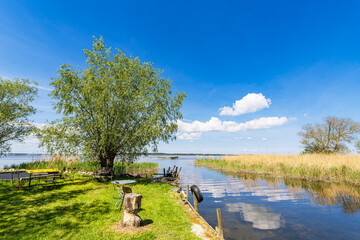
(87, 166)
(339, 168)
(84, 209)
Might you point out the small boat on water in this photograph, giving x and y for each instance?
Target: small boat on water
(176, 157)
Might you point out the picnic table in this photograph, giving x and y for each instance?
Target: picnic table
(44, 173)
(18, 177)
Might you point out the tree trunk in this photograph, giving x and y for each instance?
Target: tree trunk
(132, 204)
(110, 160)
(107, 160)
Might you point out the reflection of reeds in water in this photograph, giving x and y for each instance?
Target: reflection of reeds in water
(330, 194)
(347, 196)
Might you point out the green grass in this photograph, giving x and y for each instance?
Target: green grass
(84, 209)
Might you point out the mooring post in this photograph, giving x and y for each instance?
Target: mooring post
(187, 192)
(175, 172)
(220, 228)
(164, 173)
(168, 170)
(172, 171)
(196, 204)
(178, 173)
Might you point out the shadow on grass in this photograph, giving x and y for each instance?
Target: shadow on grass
(29, 213)
(146, 222)
(68, 219)
(21, 212)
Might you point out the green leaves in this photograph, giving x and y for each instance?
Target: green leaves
(15, 108)
(117, 105)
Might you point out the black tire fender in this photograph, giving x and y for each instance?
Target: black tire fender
(196, 191)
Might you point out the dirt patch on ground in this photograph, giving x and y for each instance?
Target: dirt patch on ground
(117, 227)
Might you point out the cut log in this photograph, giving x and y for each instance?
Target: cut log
(132, 204)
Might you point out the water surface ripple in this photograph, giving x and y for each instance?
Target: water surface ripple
(256, 207)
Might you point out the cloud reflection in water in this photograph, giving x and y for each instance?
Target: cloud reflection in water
(259, 216)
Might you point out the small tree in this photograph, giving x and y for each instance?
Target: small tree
(329, 137)
(116, 105)
(15, 99)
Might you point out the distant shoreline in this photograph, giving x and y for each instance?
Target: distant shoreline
(149, 154)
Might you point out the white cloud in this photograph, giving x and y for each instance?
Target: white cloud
(44, 88)
(264, 139)
(29, 145)
(190, 136)
(249, 138)
(191, 131)
(238, 138)
(251, 103)
(305, 114)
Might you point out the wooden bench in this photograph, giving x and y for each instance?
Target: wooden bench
(50, 175)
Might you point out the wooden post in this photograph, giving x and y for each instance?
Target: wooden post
(178, 173)
(196, 206)
(175, 172)
(168, 171)
(164, 173)
(187, 192)
(220, 228)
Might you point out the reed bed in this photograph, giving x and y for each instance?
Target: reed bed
(305, 166)
(60, 163)
(78, 165)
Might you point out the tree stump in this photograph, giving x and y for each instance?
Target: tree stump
(132, 204)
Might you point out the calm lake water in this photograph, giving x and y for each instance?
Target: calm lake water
(266, 208)
(9, 160)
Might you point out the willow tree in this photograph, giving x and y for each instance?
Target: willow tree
(116, 105)
(15, 108)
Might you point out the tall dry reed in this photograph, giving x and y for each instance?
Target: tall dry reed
(323, 162)
(315, 166)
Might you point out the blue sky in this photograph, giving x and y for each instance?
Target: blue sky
(298, 60)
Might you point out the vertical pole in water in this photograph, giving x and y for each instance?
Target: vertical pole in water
(164, 172)
(175, 172)
(196, 206)
(187, 192)
(220, 228)
(178, 173)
